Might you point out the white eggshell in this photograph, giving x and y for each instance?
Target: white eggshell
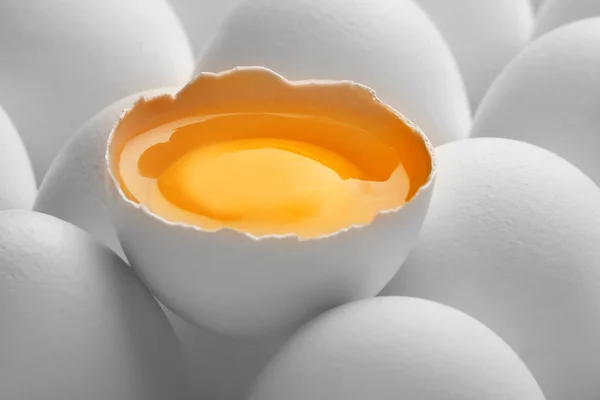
(73, 188)
(219, 367)
(234, 283)
(201, 18)
(396, 348)
(63, 61)
(484, 35)
(17, 181)
(537, 4)
(556, 13)
(75, 322)
(388, 45)
(548, 96)
(512, 238)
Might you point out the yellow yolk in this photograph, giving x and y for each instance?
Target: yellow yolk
(256, 180)
(274, 184)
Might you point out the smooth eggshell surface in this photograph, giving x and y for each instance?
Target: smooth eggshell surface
(17, 181)
(75, 322)
(219, 367)
(395, 348)
(537, 4)
(556, 13)
(512, 238)
(63, 61)
(73, 189)
(483, 35)
(202, 18)
(388, 45)
(548, 96)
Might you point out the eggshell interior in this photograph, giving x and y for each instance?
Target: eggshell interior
(395, 348)
(512, 238)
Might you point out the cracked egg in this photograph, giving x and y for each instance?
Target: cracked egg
(250, 204)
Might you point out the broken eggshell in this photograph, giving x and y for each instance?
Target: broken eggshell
(73, 188)
(231, 282)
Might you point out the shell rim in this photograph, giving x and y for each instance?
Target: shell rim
(293, 236)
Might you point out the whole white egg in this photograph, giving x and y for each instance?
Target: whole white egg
(17, 181)
(483, 35)
(548, 96)
(556, 13)
(75, 322)
(220, 367)
(73, 188)
(201, 18)
(389, 45)
(63, 61)
(512, 238)
(395, 348)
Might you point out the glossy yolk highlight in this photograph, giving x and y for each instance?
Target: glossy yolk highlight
(274, 184)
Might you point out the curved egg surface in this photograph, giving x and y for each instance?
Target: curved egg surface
(512, 238)
(388, 45)
(17, 180)
(61, 62)
(221, 367)
(202, 18)
(75, 321)
(483, 36)
(548, 96)
(395, 348)
(74, 188)
(556, 13)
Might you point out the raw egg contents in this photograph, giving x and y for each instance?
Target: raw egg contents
(265, 174)
(315, 185)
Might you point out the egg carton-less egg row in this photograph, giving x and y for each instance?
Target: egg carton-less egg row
(318, 199)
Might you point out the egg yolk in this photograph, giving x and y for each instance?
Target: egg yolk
(264, 174)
